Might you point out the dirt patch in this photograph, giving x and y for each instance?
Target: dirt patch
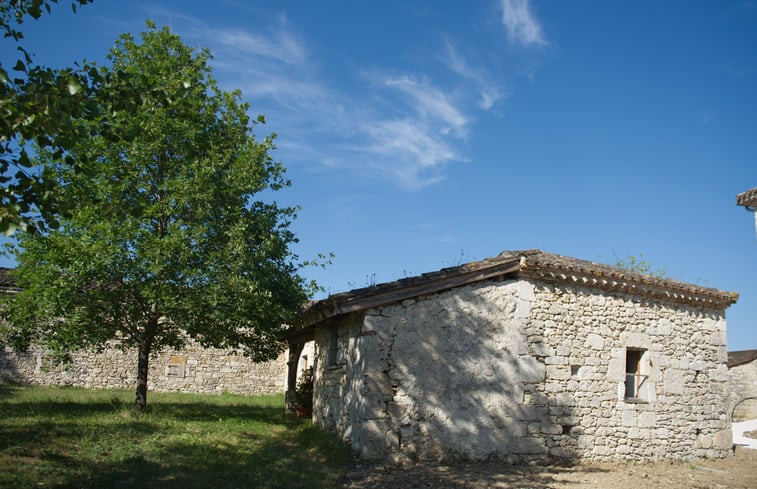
(738, 471)
(751, 434)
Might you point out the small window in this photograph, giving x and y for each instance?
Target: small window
(634, 377)
(333, 348)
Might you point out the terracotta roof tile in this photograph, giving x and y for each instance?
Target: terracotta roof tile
(736, 358)
(748, 198)
(527, 263)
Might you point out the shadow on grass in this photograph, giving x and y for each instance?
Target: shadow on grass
(297, 459)
(97, 442)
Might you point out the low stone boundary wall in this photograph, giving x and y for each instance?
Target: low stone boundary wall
(193, 369)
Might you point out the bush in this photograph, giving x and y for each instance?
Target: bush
(304, 393)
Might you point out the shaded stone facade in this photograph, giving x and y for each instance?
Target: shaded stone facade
(528, 356)
(742, 370)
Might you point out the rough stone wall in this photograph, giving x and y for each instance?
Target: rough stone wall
(522, 371)
(584, 336)
(743, 391)
(193, 369)
(336, 384)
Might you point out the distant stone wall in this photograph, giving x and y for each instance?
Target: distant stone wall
(193, 369)
(525, 370)
(743, 388)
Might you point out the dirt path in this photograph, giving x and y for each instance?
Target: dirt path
(739, 471)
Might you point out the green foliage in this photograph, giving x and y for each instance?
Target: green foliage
(304, 392)
(640, 265)
(36, 106)
(164, 237)
(66, 437)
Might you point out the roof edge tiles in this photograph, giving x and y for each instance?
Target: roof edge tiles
(748, 198)
(533, 264)
(736, 358)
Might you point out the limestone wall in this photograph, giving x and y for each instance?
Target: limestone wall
(194, 369)
(337, 378)
(585, 336)
(523, 370)
(743, 388)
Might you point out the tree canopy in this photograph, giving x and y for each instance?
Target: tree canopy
(166, 237)
(36, 106)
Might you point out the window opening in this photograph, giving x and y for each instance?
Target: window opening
(634, 378)
(333, 347)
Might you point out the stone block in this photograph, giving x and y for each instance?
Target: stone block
(530, 446)
(629, 418)
(698, 365)
(558, 372)
(595, 342)
(663, 327)
(723, 439)
(647, 419)
(556, 360)
(565, 399)
(585, 372)
(719, 374)
(562, 452)
(542, 349)
(550, 428)
(616, 369)
(530, 370)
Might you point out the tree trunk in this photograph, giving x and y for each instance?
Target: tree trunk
(143, 363)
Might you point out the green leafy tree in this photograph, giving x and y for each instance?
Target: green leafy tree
(36, 107)
(167, 237)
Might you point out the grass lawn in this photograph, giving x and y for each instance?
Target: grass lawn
(78, 438)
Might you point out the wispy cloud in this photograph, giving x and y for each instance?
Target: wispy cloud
(431, 103)
(400, 128)
(412, 153)
(283, 46)
(489, 92)
(522, 27)
(278, 42)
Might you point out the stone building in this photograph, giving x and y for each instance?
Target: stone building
(525, 356)
(742, 369)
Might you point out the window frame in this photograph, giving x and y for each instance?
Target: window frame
(635, 380)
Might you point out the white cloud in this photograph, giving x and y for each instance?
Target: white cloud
(365, 130)
(283, 47)
(279, 42)
(431, 103)
(412, 153)
(489, 92)
(522, 27)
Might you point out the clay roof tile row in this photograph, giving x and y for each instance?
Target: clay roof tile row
(527, 263)
(748, 198)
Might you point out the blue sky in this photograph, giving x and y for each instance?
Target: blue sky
(419, 135)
